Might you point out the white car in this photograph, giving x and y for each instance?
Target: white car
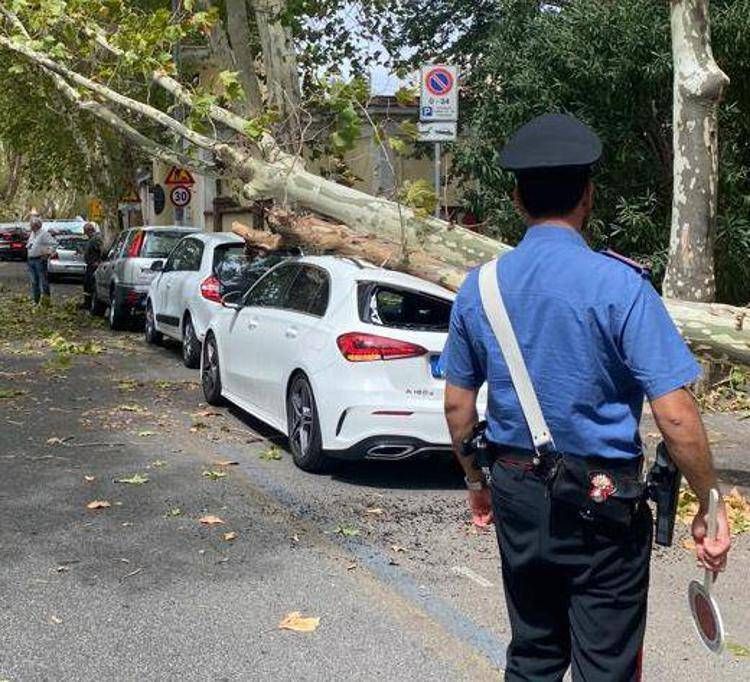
(341, 356)
(187, 291)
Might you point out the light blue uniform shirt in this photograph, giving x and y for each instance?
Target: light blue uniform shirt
(596, 338)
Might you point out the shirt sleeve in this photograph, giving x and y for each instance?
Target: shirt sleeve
(658, 357)
(462, 367)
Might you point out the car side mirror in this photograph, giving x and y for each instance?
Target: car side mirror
(232, 300)
(157, 266)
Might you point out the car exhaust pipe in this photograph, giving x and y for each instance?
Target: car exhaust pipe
(390, 452)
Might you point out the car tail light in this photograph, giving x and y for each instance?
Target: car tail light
(211, 289)
(358, 347)
(135, 247)
(54, 256)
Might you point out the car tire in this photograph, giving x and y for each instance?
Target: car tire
(191, 345)
(96, 308)
(152, 335)
(210, 372)
(116, 316)
(303, 427)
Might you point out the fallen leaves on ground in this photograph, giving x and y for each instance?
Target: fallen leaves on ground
(174, 511)
(6, 393)
(231, 535)
(208, 413)
(89, 479)
(57, 441)
(298, 623)
(132, 408)
(214, 475)
(98, 504)
(146, 434)
(55, 620)
(272, 454)
(198, 426)
(135, 479)
(738, 509)
(60, 344)
(346, 531)
(729, 395)
(376, 511)
(398, 548)
(226, 463)
(210, 520)
(158, 463)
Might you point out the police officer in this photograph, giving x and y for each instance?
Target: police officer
(574, 534)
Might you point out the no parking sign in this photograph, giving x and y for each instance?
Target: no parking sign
(439, 93)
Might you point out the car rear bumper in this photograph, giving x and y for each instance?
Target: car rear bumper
(389, 448)
(7, 251)
(58, 267)
(132, 298)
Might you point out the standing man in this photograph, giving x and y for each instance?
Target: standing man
(573, 531)
(39, 248)
(92, 256)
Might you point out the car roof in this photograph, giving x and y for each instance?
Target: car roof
(362, 271)
(187, 229)
(216, 238)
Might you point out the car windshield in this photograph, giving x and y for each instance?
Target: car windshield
(238, 272)
(159, 244)
(389, 306)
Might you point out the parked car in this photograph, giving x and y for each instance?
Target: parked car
(13, 241)
(67, 261)
(63, 226)
(122, 279)
(341, 356)
(188, 288)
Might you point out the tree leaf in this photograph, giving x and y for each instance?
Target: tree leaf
(226, 463)
(210, 520)
(89, 479)
(298, 623)
(98, 504)
(738, 650)
(346, 531)
(272, 454)
(174, 511)
(231, 535)
(214, 475)
(135, 479)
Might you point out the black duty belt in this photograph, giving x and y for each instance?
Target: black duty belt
(597, 486)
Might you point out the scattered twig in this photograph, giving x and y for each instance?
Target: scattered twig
(131, 574)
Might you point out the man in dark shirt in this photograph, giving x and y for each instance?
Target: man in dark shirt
(92, 256)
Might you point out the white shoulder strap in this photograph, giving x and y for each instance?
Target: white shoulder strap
(494, 309)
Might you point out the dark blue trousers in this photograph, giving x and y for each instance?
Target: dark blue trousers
(576, 589)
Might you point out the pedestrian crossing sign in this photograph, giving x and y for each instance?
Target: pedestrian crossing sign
(179, 176)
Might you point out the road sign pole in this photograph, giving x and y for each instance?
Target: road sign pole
(437, 178)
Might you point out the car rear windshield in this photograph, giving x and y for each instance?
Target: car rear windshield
(389, 306)
(237, 271)
(71, 244)
(159, 244)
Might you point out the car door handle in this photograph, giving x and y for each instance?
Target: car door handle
(291, 333)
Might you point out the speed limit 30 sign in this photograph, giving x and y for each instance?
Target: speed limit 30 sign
(180, 196)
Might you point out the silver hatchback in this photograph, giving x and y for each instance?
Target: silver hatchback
(123, 277)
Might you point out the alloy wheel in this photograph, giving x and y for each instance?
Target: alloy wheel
(302, 417)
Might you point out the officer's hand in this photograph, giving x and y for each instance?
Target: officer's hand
(480, 504)
(712, 554)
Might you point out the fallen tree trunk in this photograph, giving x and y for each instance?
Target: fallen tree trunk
(712, 329)
(376, 229)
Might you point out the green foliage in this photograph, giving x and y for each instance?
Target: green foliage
(419, 195)
(610, 64)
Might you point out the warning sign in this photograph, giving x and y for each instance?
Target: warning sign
(179, 176)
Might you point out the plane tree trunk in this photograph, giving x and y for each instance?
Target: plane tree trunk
(698, 88)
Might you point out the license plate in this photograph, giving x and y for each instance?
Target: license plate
(438, 370)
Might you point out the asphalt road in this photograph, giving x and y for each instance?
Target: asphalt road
(382, 553)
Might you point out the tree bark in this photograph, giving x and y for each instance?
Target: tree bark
(238, 28)
(698, 88)
(280, 64)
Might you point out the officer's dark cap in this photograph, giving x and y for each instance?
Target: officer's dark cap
(551, 141)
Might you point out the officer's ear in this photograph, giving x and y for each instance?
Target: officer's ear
(520, 207)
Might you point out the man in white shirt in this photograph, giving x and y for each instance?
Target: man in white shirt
(39, 247)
